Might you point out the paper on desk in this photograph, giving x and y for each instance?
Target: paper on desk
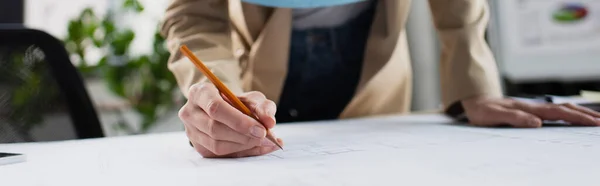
(591, 95)
(558, 99)
(418, 150)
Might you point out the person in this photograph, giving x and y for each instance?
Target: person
(322, 63)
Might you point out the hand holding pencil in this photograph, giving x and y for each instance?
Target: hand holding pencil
(219, 124)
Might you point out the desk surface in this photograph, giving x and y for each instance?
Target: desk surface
(406, 150)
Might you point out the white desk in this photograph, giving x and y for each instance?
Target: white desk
(408, 150)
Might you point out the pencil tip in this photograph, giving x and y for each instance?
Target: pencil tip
(274, 140)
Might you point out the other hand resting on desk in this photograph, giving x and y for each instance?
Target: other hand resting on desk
(218, 130)
(491, 112)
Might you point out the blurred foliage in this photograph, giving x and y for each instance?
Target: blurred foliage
(143, 80)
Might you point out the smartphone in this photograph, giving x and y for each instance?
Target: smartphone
(11, 158)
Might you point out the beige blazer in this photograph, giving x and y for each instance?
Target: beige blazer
(246, 45)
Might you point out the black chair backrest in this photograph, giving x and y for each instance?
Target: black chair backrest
(42, 95)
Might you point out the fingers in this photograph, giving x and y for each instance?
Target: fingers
(584, 110)
(257, 151)
(217, 147)
(220, 131)
(207, 152)
(498, 116)
(217, 129)
(207, 97)
(558, 112)
(263, 108)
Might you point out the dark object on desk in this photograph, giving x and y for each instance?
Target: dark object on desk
(551, 99)
(42, 96)
(593, 106)
(11, 158)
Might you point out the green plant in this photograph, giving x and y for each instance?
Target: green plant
(143, 80)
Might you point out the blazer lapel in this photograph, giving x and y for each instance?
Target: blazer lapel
(387, 24)
(270, 54)
(238, 21)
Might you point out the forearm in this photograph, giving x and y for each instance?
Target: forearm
(202, 25)
(467, 66)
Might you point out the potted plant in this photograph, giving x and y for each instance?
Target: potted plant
(144, 81)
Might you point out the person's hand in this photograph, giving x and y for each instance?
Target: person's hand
(492, 112)
(216, 129)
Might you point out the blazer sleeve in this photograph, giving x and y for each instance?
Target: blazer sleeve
(467, 66)
(202, 25)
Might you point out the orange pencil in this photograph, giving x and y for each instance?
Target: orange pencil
(237, 103)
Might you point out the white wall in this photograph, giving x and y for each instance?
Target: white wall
(424, 51)
(53, 16)
(145, 25)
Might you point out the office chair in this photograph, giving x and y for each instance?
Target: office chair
(42, 95)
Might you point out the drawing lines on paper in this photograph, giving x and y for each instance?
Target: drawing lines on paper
(588, 132)
(566, 136)
(310, 150)
(382, 143)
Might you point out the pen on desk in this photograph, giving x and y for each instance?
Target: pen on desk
(548, 99)
(237, 103)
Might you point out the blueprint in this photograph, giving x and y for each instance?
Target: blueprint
(407, 150)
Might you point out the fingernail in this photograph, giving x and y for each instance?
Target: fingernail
(265, 142)
(273, 118)
(258, 132)
(533, 123)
